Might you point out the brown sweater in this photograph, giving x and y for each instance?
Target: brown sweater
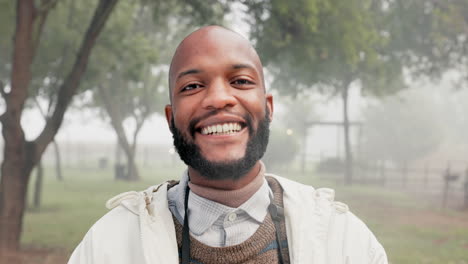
(260, 248)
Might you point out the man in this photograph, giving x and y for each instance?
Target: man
(225, 209)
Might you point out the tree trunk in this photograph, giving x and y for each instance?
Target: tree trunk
(21, 156)
(129, 151)
(118, 152)
(17, 164)
(38, 186)
(348, 154)
(119, 168)
(132, 170)
(128, 172)
(116, 121)
(14, 184)
(58, 161)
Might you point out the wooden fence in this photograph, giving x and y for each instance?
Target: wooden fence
(449, 185)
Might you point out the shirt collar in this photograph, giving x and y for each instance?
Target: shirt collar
(203, 213)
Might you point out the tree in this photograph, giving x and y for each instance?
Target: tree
(328, 45)
(58, 82)
(123, 73)
(394, 127)
(20, 155)
(131, 65)
(429, 36)
(282, 148)
(302, 109)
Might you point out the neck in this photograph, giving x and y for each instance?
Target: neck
(227, 184)
(231, 198)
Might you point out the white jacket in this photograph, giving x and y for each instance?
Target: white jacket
(140, 230)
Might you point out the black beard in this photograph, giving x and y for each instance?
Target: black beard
(190, 153)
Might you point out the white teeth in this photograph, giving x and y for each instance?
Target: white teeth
(226, 128)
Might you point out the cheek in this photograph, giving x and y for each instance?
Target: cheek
(181, 122)
(255, 105)
(182, 112)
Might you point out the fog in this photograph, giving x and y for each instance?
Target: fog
(370, 99)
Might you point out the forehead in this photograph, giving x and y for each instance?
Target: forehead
(216, 47)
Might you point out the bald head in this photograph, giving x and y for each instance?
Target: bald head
(211, 43)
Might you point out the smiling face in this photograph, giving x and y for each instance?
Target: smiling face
(218, 96)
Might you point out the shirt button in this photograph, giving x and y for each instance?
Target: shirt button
(232, 217)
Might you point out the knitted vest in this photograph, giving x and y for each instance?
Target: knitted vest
(260, 248)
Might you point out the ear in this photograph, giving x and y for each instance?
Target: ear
(169, 116)
(269, 105)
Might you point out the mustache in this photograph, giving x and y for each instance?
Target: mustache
(214, 112)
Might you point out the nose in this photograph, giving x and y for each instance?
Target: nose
(219, 95)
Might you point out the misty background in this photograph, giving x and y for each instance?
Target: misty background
(370, 99)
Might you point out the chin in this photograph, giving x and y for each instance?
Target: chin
(229, 158)
(224, 161)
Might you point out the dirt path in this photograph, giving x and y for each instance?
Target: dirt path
(415, 211)
(30, 255)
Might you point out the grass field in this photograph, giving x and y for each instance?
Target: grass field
(410, 228)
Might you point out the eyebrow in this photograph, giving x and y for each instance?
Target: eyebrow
(196, 71)
(242, 66)
(188, 72)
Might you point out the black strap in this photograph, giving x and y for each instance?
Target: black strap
(277, 215)
(185, 231)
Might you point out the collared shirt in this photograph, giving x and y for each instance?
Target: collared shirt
(215, 224)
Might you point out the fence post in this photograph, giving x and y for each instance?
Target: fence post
(446, 187)
(448, 177)
(465, 204)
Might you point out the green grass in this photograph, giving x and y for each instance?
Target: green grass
(70, 207)
(411, 230)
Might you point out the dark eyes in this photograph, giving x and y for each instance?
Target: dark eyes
(194, 86)
(190, 87)
(241, 82)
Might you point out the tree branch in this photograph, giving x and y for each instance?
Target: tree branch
(20, 71)
(69, 87)
(64, 58)
(115, 118)
(42, 13)
(46, 6)
(139, 124)
(38, 31)
(41, 111)
(4, 95)
(2, 90)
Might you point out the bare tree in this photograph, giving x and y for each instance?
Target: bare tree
(21, 155)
